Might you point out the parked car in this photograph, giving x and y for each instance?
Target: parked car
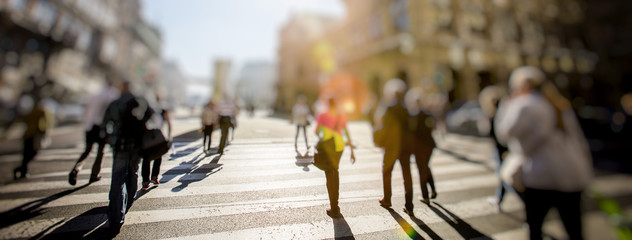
(468, 119)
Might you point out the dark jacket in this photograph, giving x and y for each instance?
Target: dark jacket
(124, 122)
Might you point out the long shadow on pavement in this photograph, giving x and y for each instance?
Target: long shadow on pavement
(408, 229)
(32, 209)
(342, 229)
(91, 224)
(465, 229)
(424, 227)
(206, 169)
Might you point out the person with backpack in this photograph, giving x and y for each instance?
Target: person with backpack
(329, 128)
(545, 139)
(391, 119)
(93, 115)
(419, 141)
(123, 127)
(155, 169)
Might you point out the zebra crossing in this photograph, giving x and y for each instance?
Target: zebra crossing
(263, 189)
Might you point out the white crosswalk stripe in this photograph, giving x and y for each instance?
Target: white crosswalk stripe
(262, 176)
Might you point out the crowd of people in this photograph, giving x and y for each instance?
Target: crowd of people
(540, 150)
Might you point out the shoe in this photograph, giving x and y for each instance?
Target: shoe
(334, 213)
(494, 202)
(409, 211)
(155, 182)
(95, 179)
(145, 186)
(72, 177)
(17, 174)
(425, 200)
(434, 195)
(384, 203)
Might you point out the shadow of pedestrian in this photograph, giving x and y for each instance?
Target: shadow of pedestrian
(465, 159)
(91, 224)
(304, 160)
(464, 229)
(198, 173)
(183, 167)
(408, 229)
(424, 227)
(342, 229)
(32, 209)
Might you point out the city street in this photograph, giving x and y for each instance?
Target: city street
(261, 188)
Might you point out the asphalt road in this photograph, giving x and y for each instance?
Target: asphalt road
(263, 188)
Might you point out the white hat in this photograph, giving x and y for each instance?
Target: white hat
(526, 76)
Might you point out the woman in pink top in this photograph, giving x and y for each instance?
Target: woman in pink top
(330, 144)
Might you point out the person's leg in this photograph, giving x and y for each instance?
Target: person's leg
(569, 208)
(404, 161)
(224, 126)
(421, 158)
(145, 171)
(204, 139)
(117, 194)
(28, 153)
(155, 170)
(210, 135)
(387, 169)
(333, 181)
(98, 162)
(88, 148)
(132, 179)
(298, 127)
(305, 135)
(537, 205)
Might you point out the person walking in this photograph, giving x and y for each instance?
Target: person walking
(390, 132)
(155, 169)
(419, 141)
(93, 115)
(37, 122)
(226, 110)
(489, 99)
(209, 121)
(329, 128)
(123, 125)
(300, 116)
(543, 133)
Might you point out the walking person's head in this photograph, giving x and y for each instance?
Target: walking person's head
(301, 99)
(525, 78)
(394, 90)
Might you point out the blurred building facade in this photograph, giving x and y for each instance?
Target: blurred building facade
(459, 47)
(298, 69)
(73, 45)
(256, 84)
(220, 79)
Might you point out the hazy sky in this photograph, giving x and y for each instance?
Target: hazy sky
(195, 32)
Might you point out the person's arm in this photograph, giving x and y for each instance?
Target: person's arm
(165, 115)
(353, 159)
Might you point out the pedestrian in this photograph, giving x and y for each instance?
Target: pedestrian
(300, 116)
(419, 141)
(37, 123)
(489, 99)
(209, 121)
(123, 126)
(391, 120)
(544, 135)
(330, 126)
(226, 110)
(155, 169)
(92, 117)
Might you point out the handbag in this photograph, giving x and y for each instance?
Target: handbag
(323, 158)
(154, 144)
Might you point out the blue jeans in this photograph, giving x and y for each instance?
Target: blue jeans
(124, 185)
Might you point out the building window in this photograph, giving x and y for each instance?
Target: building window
(398, 10)
(376, 25)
